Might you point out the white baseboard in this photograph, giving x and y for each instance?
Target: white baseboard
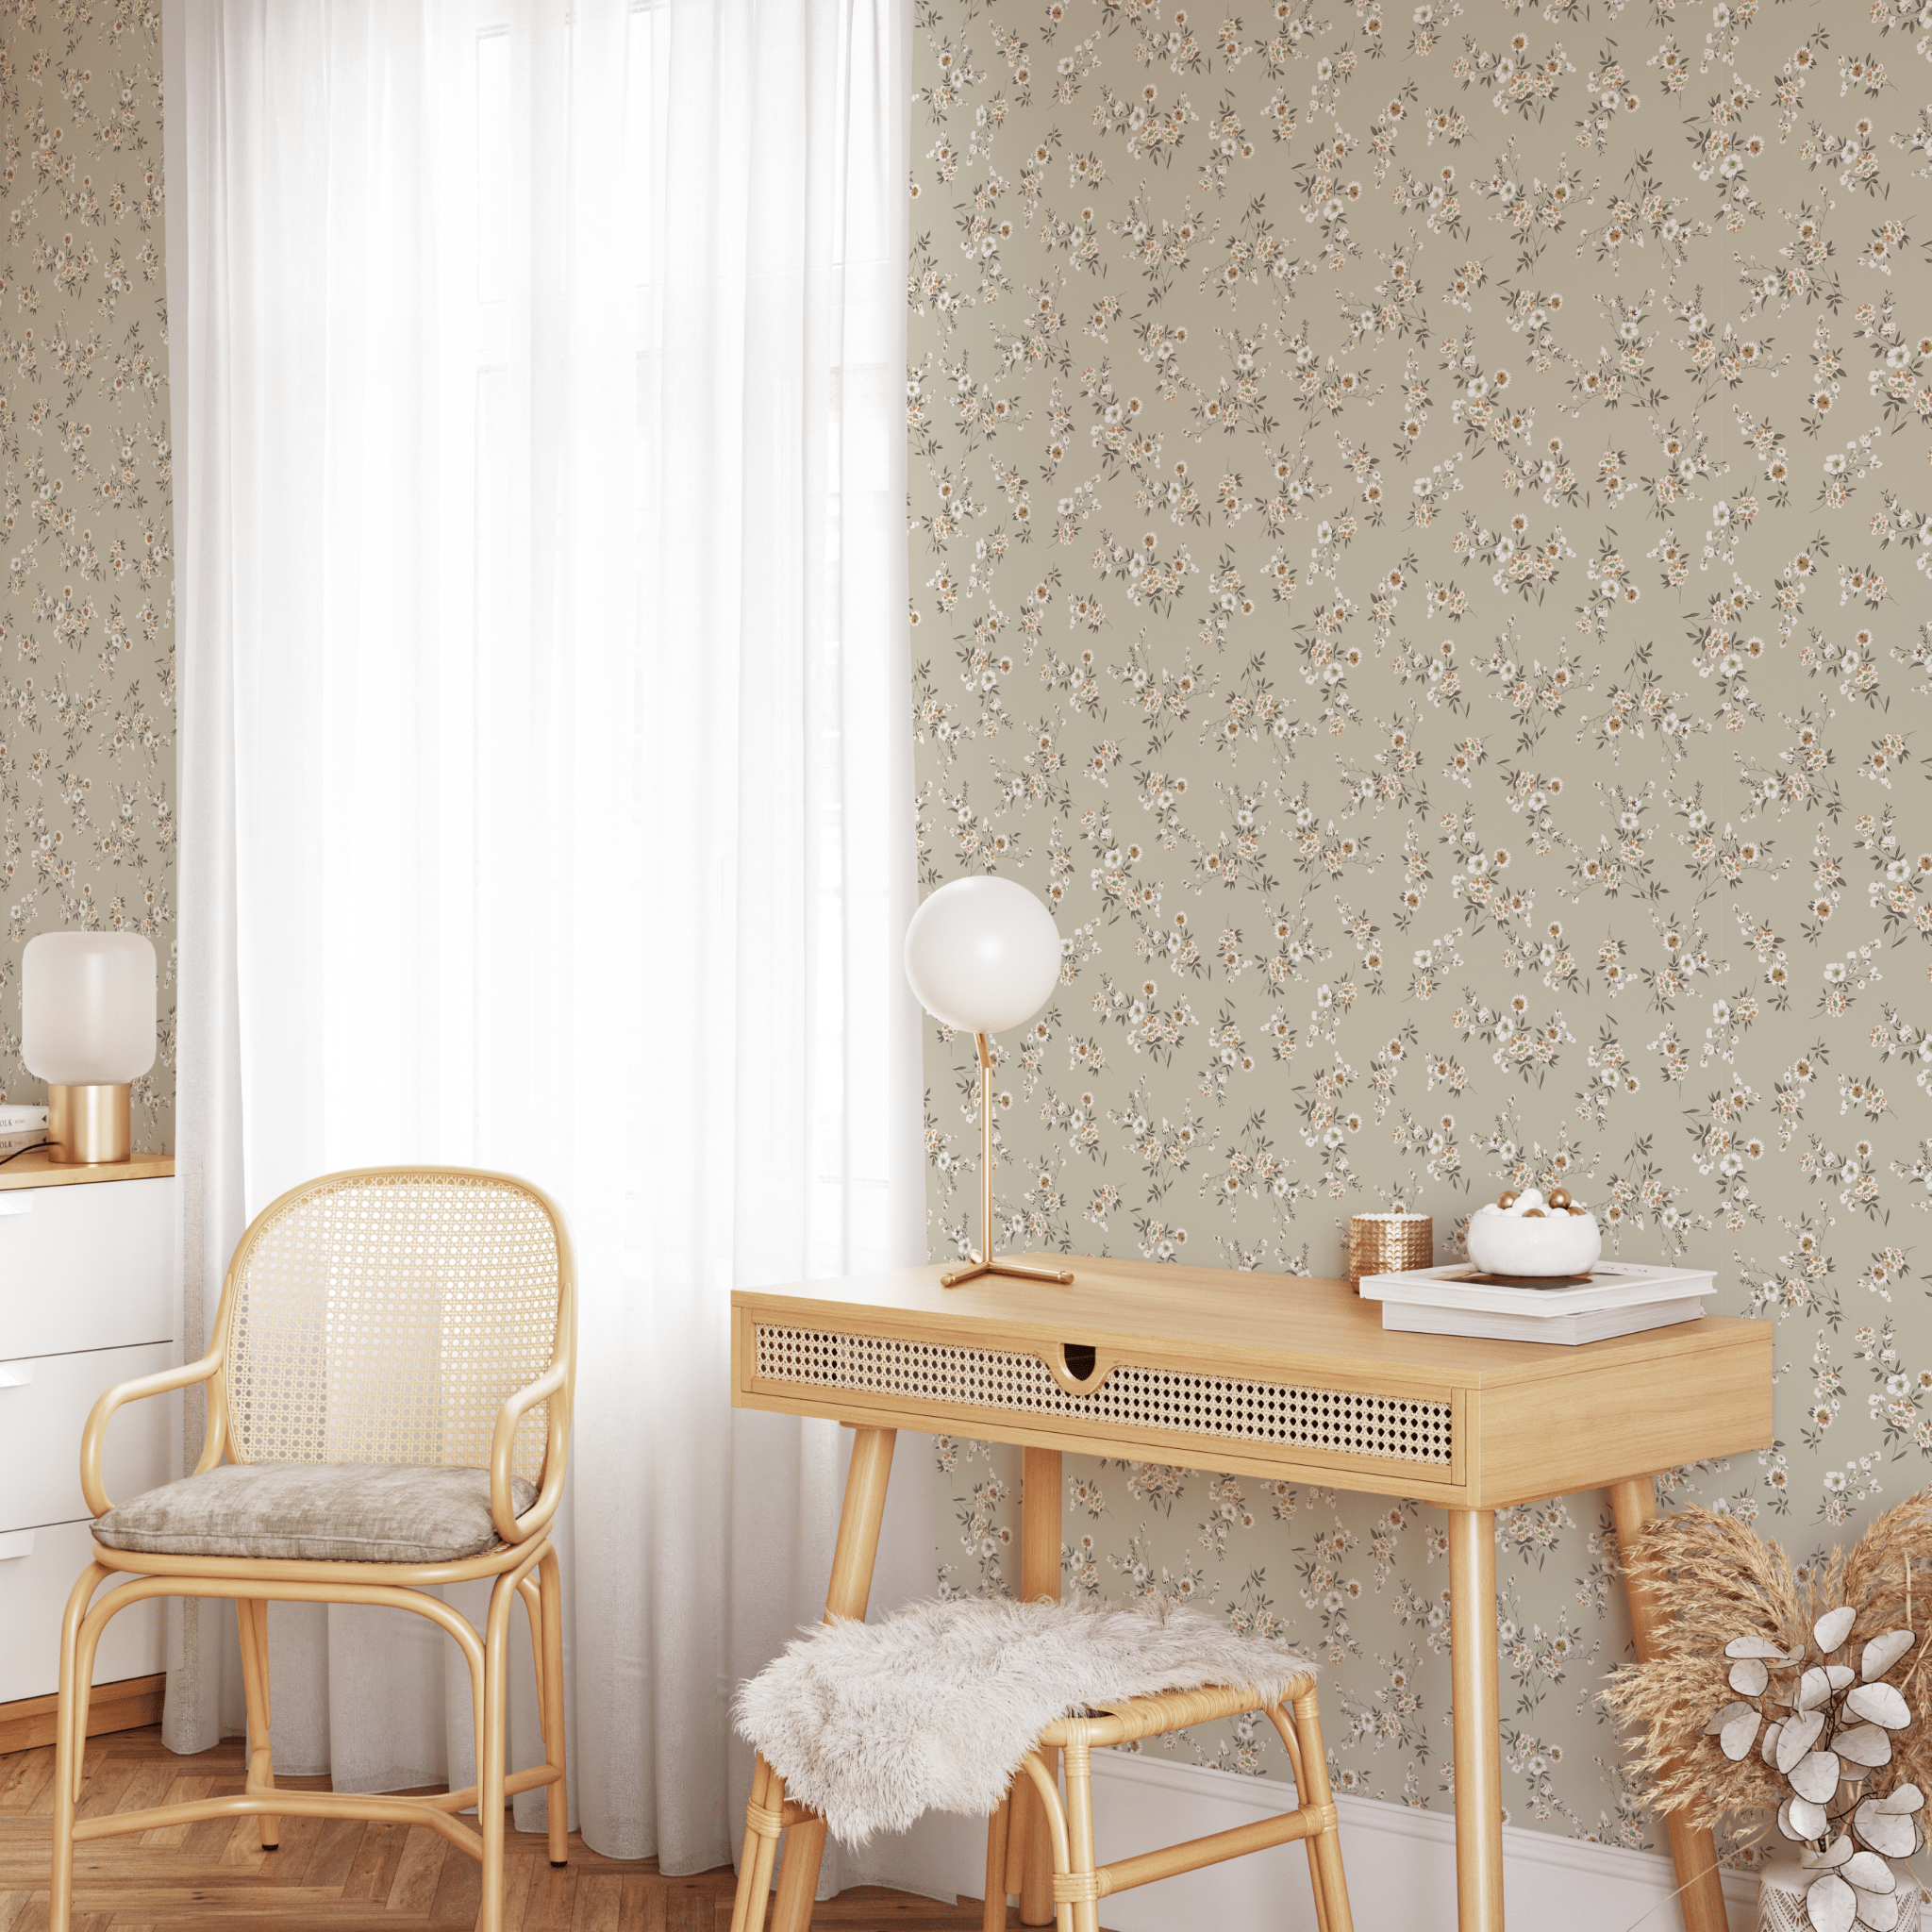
(1401, 1864)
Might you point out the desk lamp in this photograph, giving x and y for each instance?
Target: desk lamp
(984, 955)
(87, 1027)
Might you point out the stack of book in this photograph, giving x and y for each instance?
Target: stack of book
(1617, 1298)
(22, 1127)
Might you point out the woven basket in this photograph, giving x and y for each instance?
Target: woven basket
(1388, 1243)
(1781, 1899)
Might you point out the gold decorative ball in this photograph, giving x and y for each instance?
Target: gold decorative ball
(1506, 1198)
(1560, 1197)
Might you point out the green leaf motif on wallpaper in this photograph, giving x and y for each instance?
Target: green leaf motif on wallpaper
(1419, 525)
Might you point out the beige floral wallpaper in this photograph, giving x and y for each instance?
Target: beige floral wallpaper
(1420, 517)
(86, 615)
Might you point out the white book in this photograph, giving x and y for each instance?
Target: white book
(15, 1120)
(20, 1143)
(1565, 1331)
(1611, 1285)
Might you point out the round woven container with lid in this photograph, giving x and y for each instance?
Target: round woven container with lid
(1388, 1243)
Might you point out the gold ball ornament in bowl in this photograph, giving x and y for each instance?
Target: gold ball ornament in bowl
(1525, 1234)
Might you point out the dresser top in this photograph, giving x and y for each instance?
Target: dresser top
(33, 1170)
(1281, 1324)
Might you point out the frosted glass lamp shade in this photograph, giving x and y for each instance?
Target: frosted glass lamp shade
(983, 955)
(87, 1008)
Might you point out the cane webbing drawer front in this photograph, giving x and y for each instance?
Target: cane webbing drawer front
(1338, 1421)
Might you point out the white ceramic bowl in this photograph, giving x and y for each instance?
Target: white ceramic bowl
(1509, 1241)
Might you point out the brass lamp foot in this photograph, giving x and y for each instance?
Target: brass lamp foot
(983, 1262)
(1018, 1270)
(88, 1127)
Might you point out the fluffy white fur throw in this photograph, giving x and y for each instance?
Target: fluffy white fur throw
(937, 1706)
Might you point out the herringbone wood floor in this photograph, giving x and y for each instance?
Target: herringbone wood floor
(342, 1875)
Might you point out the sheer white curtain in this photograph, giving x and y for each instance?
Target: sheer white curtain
(546, 763)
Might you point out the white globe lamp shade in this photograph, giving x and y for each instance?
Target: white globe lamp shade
(983, 955)
(87, 1008)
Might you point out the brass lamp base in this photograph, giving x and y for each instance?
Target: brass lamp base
(1018, 1270)
(90, 1127)
(983, 1262)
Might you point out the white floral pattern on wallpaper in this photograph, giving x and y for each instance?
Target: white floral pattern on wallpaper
(1420, 521)
(87, 620)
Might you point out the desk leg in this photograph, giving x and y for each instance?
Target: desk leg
(1475, 1720)
(1029, 1850)
(845, 1596)
(1694, 1853)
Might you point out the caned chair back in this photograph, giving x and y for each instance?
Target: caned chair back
(384, 1315)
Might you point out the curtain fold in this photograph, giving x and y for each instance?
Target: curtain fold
(545, 767)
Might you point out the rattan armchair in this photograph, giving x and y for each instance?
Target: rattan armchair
(390, 1372)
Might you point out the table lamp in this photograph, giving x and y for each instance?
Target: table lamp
(984, 955)
(87, 1028)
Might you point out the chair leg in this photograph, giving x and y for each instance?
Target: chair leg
(762, 1831)
(490, 1758)
(251, 1618)
(533, 1615)
(550, 1674)
(1331, 1886)
(70, 1743)
(992, 1917)
(86, 1643)
(1080, 1862)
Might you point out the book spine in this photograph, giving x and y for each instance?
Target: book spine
(15, 1120)
(19, 1142)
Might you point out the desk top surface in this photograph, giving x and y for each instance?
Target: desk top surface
(1282, 1324)
(33, 1169)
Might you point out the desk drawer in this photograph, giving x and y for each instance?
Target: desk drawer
(41, 1422)
(948, 1382)
(88, 1266)
(33, 1593)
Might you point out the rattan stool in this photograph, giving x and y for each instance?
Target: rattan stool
(1078, 1883)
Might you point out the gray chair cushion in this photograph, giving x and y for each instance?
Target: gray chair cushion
(327, 1512)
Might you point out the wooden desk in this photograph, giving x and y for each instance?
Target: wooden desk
(1276, 1377)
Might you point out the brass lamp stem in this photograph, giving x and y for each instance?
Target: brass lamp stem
(983, 1262)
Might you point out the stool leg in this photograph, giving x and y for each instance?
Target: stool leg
(1080, 1834)
(1046, 1786)
(992, 1917)
(798, 1883)
(1331, 1886)
(761, 1849)
(1315, 1884)
(1020, 1813)
(1284, 1730)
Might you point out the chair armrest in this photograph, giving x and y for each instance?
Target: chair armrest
(92, 1436)
(501, 1501)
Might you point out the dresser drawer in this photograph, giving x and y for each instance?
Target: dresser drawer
(33, 1594)
(88, 1266)
(41, 1421)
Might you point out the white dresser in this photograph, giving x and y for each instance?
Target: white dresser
(89, 1296)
